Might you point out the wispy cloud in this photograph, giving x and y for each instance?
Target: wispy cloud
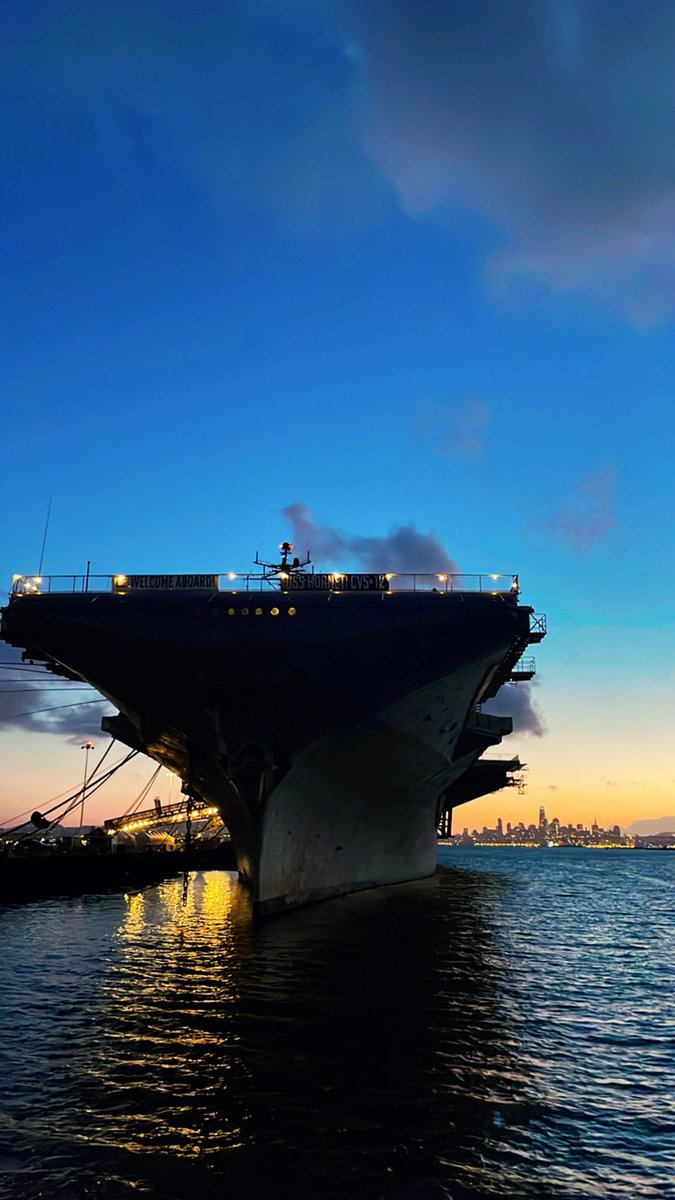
(587, 516)
(549, 121)
(33, 700)
(552, 121)
(403, 549)
(455, 429)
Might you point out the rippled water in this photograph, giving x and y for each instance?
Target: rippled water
(506, 1028)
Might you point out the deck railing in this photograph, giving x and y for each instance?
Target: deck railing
(495, 584)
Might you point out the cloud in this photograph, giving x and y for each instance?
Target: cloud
(404, 549)
(552, 787)
(25, 694)
(587, 517)
(459, 430)
(550, 121)
(644, 828)
(515, 700)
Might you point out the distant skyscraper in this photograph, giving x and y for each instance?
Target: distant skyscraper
(500, 828)
(543, 823)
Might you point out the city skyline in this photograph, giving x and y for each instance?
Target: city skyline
(463, 817)
(278, 275)
(557, 832)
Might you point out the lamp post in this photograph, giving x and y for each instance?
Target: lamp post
(87, 747)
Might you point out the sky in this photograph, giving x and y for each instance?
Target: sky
(397, 277)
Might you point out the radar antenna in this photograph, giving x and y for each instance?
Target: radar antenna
(288, 566)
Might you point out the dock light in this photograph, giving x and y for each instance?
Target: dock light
(390, 576)
(338, 574)
(494, 577)
(232, 575)
(120, 580)
(283, 574)
(443, 578)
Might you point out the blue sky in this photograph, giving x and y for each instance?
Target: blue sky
(403, 264)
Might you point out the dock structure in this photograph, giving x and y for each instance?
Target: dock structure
(181, 810)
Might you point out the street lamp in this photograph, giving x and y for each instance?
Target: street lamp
(87, 747)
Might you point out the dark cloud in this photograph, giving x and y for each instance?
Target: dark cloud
(24, 708)
(403, 550)
(551, 119)
(587, 516)
(516, 700)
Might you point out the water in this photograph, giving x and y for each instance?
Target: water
(504, 1029)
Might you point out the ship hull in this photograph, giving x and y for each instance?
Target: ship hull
(326, 731)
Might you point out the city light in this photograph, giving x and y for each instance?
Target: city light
(545, 834)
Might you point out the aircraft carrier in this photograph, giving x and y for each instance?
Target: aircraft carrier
(331, 718)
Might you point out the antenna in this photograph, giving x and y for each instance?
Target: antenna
(284, 569)
(44, 538)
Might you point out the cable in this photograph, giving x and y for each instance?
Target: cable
(7, 665)
(38, 688)
(34, 711)
(74, 800)
(17, 818)
(142, 794)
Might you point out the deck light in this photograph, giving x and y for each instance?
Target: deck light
(231, 575)
(120, 580)
(443, 578)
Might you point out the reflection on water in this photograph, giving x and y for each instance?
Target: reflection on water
(498, 1030)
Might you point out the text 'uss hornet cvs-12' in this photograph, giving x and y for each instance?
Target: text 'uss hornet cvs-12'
(333, 719)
